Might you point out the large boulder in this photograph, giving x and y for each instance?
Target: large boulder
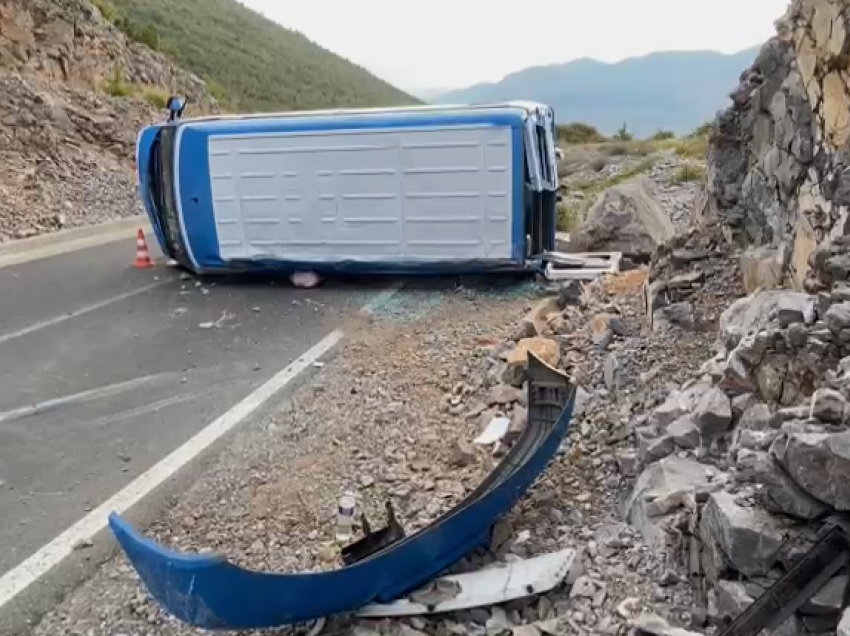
(668, 485)
(753, 313)
(747, 539)
(820, 463)
(626, 218)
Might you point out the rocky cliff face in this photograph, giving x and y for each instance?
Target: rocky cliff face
(66, 147)
(779, 164)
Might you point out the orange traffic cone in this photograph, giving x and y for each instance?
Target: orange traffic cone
(143, 257)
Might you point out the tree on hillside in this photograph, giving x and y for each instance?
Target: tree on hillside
(623, 134)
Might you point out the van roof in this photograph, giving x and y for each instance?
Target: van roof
(517, 108)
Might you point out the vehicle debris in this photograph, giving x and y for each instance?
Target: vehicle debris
(494, 432)
(212, 324)
(829, 555)
(207, 591)
(584, 266)
(488, 586)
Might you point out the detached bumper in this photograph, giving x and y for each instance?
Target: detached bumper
(209, 592)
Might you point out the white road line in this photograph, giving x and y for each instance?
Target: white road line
(79, 312)
(19, 578)
(82, 396)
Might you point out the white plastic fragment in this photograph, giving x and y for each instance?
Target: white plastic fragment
(495, 431)
(487, 586)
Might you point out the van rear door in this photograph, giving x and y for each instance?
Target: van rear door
(541, 182)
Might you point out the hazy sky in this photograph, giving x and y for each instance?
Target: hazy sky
(454, 43)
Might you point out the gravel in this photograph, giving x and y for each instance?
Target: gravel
(393, 417)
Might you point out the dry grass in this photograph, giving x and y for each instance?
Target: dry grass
(597, 154)
(692, 147)
(117, 86)
(596, 186)
(570, 215)
(687, 173)
(156, 97)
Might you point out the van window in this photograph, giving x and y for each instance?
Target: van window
(544, 148)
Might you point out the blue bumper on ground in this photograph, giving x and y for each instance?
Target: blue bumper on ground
(209, 592)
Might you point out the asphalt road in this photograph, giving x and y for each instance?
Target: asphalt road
(105, 369)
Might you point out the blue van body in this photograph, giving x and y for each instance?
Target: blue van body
(428, 190)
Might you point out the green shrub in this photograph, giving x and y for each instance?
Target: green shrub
(704, 130)
(220, 95)
(663, 135)
(140, 32)
(570, 216)
(156, 97)
(692, 147)
(251, 58)
(623, 134)
(578, 133)
(116, 85)
(107, 9)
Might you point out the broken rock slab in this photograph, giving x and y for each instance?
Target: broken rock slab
(677, 404)
(763, 267)
(648, 624)
(827, 600)
(828, 405)
(752, 314)
(536, 321)
(784, 495)
(713, 414)
(627, 218)
(679, 314)
(820, 463)
(668, 481)
(837, 320)
(652, 447)
(748, 539)
(844, 624)
(684, 432)
(732, 598)
(517, 358)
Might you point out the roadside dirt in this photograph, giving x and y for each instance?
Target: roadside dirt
(387, 417)
(393, 416)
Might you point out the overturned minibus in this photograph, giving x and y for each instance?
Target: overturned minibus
(428, 189)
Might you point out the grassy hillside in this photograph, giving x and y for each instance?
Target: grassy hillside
(671, 90)
(250, 62)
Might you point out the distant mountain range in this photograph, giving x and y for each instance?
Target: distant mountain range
(670, 90)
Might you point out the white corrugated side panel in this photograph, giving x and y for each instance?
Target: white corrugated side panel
(384, 196)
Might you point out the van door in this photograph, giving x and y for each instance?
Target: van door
(549, 194)
(541, 185)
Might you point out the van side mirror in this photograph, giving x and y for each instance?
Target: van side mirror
(175, 106)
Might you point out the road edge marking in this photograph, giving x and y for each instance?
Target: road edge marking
(22, 576)
(21, 251)
(82, 311)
